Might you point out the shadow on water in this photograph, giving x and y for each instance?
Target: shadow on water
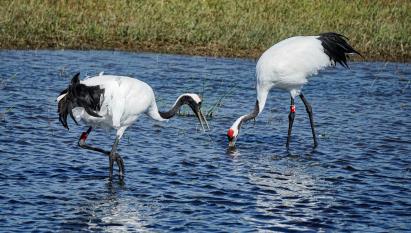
(181, 179)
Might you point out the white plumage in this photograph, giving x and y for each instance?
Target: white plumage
(125, 99)
(287, 65)
(110, 101)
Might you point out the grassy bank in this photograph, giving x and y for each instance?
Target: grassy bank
(381, 30)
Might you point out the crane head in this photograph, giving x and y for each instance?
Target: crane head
(194, 102)
(232, 134)
(234, 130)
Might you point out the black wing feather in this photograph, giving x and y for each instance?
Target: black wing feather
(79, 95)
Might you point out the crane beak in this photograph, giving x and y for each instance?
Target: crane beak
(231, 142)
(202, 119)
(196, 107)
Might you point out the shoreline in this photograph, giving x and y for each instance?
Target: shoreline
(379, 30)
(204, 52)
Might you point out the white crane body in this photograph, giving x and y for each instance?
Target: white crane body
(287, 65)
(115, 102)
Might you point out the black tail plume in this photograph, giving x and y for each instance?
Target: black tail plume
(336, 47)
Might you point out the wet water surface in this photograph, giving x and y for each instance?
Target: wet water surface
(181, 179)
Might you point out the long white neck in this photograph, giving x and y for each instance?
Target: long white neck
(154, 113)
(262, 94)
(247, 117)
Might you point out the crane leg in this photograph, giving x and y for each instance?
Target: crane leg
(116, 156)
(310, 115)
(291, 117)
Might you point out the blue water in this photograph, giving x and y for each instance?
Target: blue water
(181, 179)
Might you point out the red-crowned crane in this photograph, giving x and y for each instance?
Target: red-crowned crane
(287, 65)
(115, 102)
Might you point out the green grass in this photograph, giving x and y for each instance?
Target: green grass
(243, 28)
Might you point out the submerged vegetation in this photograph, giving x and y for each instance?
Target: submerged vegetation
(378, 29)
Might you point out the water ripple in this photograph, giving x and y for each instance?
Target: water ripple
(179, 179)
